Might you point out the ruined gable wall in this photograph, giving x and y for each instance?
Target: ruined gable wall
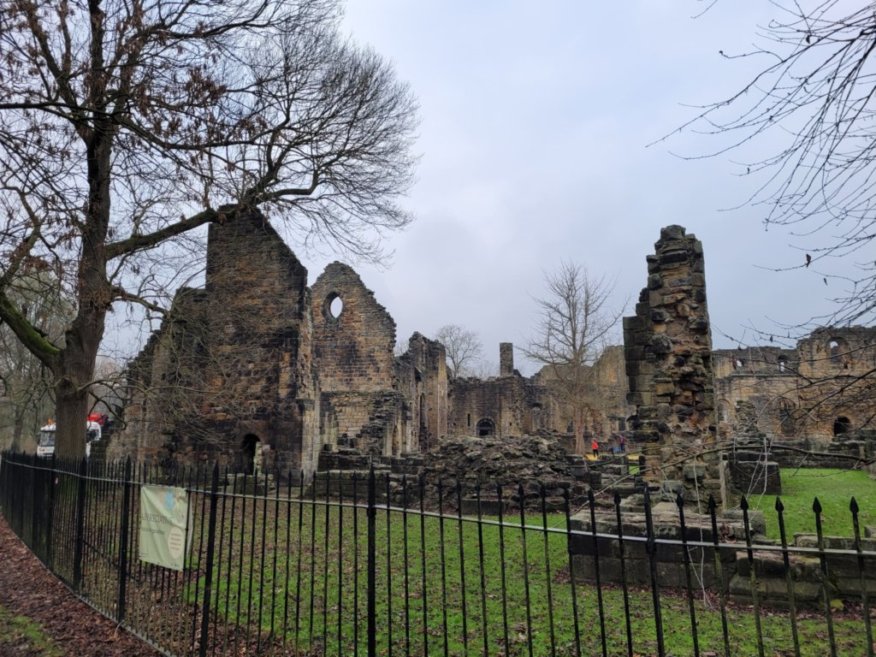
(354, 351)
(354, 361)
(258, 375)
(668, 359)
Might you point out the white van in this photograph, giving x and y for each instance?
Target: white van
(46, 442)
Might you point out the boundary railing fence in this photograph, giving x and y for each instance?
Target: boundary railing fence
(372, 564)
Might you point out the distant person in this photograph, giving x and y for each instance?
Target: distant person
(594, 446)
(622, 444)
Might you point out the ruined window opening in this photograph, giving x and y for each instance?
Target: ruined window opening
(787, 422)
(838, 350)
(423, 422)
(841, 425)
(738, 364)
(486, 427)
(783, 363)
(468, 420)
(333, 306)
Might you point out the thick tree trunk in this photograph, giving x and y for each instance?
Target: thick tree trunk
(578, 424)
(81, 342)
(71, 390)
(71, 409)
(17, 430)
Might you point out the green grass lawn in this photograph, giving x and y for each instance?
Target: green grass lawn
(834, 490)
(309, 591)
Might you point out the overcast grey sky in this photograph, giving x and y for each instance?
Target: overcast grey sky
(535, 123)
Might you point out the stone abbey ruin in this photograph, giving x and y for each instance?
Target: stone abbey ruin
(257, 366)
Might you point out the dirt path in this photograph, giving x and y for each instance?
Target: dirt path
(40, 616)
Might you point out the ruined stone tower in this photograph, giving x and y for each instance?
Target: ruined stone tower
(668, 349)
(506, 359)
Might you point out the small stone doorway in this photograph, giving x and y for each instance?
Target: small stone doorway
(841, 425)
(251, 453)
(486, 427)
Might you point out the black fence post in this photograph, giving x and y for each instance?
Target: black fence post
(372, 565)
(79, 536)
(50, 516)
(35, 504)
(123, 542)
(208, 574)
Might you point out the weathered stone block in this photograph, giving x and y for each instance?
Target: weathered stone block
(756, 519)
(694, 471)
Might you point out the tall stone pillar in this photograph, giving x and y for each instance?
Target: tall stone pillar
(668, 349)
(506, 359)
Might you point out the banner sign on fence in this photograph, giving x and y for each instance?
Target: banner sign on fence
(164, 511)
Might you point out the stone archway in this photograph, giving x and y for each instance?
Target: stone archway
(486, 427)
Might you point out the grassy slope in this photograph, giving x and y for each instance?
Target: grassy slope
(834, 490)
(288, 600)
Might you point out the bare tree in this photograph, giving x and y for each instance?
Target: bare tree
(813, 97)
(26, 383)
(463, 348)
(125, 126)
(576, 320)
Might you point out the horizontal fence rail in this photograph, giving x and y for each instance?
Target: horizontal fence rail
(372, 564)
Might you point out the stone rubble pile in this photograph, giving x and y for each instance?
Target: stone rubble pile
(529, 461)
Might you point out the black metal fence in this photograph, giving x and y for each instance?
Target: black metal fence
(371, 564)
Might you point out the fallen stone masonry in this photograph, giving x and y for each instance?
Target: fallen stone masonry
(528, 461)
(488, 462)
(731, 572)
(852, 450)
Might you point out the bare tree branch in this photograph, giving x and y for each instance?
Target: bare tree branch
(125, 127)
(815, 97)
(463, 348)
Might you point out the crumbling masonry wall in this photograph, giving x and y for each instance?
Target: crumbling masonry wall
(821, 390)
(668, 363)
(509, 405)
(259, 373)
(421, 373)
(353, 341)
(838, 363)
(160, 381)
(230, 367)
(257, 363)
